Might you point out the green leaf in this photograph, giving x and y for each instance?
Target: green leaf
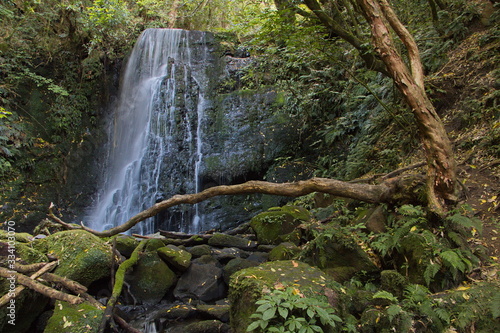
(283, 312)
(393, 310)
(385, 295)
(253, 326)
(431, 271)
(268, 314)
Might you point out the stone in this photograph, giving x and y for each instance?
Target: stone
(81, 318)
(279, 224)
(204, 326)
(126, 245)
(219, 312)
(284, 251)
(83, 257)
(248, 285)
(201, 282)
(224, 240)
(150, 278)
(200, 250)
(172, 255)
(235, 265)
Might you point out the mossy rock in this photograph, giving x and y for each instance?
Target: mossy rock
(339, 256)
(126, 245)
(22, 237)
(248, 285)
(224, 240)
(154, 244)
(179, 259)
(279, 224)
(83, 257)
(30, 303)
(393, 282)
(200, 250)
(235, 265)
(284, 251)
(81, 318)
(150, 278)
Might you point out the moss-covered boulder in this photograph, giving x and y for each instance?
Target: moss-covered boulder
(82, 256)
(178, 258)
(235, 265)
(81, 318)
(279, 224)
(224, 240)
(284, 251)
(150, 278)
(22, 237)
(29, 304)
(200, 250)
(126, 245)
(248, 285)
(338, 255)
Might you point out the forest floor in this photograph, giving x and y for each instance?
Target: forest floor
(469, 84)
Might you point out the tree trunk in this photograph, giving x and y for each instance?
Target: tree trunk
(441, 168)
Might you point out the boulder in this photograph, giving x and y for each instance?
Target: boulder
(81, 318)
(172, 255)
(150, 278)
(248, 285)
(201, 282)
(83, 257)
(235, 265)
(126, 245)
(224, 240)
(279, 224)
(200, 250)
(219, 312)
(284, 251)
(204, 326)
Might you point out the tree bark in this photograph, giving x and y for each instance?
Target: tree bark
(441, 168)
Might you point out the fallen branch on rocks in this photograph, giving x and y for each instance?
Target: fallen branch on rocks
(39, 287)
(365, 192)
(42, 269)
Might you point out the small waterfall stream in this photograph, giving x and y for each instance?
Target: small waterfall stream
(156, 126)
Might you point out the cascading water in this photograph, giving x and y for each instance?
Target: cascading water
(156, 131)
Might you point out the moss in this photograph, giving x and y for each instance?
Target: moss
(67, 318)
(200, 250)
(393, 282)
(224, 240)
(248, 285)
(278, 224)
(176, 257)
(22, 237)
(83, 257)
(284, 251)
(126, 244)
(151, 278)
(154, 244)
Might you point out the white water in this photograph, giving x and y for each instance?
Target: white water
(147, 127)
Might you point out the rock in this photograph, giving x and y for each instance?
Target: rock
(339, 257)
(179, 259)
(226, 254)
(201, 282)
(180, 312)
(205, 326)
(223, 240)
(284, 251)
(219, 312)
(200, 250)
(154, 244)
(393, 282)
(126, 245)
(259, 257)
(83, 257)
(22, 237)
(248, 285)
(279, 224)
(81, 318)
(376, 220)
(235, 265)
(150, 278)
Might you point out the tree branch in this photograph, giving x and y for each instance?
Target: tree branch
(363, 192)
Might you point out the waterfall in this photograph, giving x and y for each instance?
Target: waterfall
(156, 134)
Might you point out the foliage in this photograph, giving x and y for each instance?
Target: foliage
(289, 310)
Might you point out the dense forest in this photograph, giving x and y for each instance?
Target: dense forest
(392, 171)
